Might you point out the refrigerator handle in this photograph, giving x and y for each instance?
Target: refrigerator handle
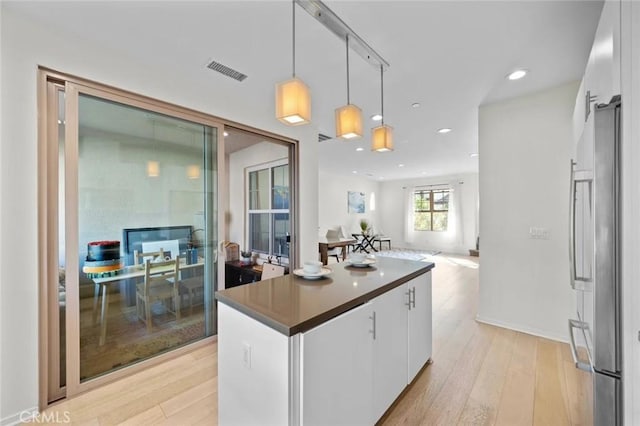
(572, 226)
(580, 176)
(581, 365)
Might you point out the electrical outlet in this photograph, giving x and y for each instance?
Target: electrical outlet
(246, 355)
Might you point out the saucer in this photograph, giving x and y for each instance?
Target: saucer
(312, 276)
(365, 263)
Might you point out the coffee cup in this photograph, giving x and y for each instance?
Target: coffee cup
(357, 257)
(312, 267)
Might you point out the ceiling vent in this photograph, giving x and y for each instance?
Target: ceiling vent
(225, 70)
(322, 138)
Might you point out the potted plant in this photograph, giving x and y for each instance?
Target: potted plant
(364, 226)
(245, 257)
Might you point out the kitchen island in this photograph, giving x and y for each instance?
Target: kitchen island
(338, 350)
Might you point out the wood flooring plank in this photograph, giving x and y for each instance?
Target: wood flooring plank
(518, 395)
(189, 397)
(549, 405)
(482, 405)
(150, 417)
(202, 412)
(450, 401)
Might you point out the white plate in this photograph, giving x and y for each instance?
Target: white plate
(301, 273)
(363, 264)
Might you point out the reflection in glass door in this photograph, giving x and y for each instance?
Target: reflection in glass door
(145, 206)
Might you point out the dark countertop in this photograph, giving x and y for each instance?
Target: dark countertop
(292, 304)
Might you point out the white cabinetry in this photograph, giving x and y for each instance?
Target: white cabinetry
(419, 324)
(603, 70)
(336, 365)
(389, 348)
(354, 366)
(601, 79)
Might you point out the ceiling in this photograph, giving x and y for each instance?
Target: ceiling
(449, 56)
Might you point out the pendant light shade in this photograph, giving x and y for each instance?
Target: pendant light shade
(293, 102)
(382, 138)
(348, 122)
(293, 98)
(348, 117)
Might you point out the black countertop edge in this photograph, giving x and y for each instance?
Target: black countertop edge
(325, 316)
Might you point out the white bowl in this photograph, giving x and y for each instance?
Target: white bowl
(312, 267)
(357, 257)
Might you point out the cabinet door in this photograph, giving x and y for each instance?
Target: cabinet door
(420, 333)
(336, 365)
(389, 348)
(603, 69)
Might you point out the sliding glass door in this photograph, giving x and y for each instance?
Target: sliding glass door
(137, 233)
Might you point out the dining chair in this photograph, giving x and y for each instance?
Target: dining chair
(334, 234)
(191, 286)
(160, 284)
(270, 270)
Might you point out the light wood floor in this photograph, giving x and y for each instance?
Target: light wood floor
(480, 375)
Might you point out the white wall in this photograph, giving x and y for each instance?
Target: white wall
(26, 45)
(392, 212)
(332, 202)
(525, 146)
(262, 153)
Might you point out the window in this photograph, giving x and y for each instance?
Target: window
(431, 210)
(268, 221)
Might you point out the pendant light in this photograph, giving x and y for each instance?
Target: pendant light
(293, 99)
(382, 136)
(348, 117)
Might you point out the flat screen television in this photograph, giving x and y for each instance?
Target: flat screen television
(133, 238)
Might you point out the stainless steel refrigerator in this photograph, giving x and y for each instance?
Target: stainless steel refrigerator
(595, 335)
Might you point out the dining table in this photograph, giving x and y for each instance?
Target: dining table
(325, 244)
(129, 272)
(365, 242)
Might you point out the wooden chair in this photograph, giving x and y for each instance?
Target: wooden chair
(382, 239)
(271, 271)
(334, 234)
(191, 286)
(160, 284)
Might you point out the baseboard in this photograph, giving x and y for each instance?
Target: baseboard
(21, 417)
(523, 329)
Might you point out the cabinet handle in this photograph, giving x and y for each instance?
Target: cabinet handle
(408, 293)
(588, 98)
(373, 318)
(413, 298)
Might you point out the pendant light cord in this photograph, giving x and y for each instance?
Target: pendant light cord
(293, 35)
(382, 94)
(348, 94)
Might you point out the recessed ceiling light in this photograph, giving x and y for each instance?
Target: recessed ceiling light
(381, 177)
(359, 149)
(517, 74)
(474, 154)
(400, 165)
(354, 172)
(376, 117)
(444, 130)
(416, 104)
(226, 134)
